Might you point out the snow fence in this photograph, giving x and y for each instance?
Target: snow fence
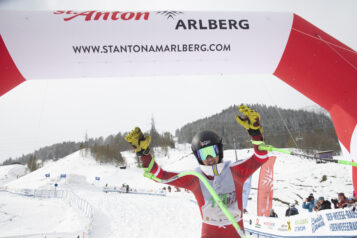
(326, 223)
(152, 192)
(70, 197)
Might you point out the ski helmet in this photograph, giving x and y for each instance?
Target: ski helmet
(204, 139)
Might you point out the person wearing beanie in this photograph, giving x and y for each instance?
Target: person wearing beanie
(322, 204)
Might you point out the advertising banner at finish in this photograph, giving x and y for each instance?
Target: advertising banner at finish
(265, 187)
(72, 44)
(334, 222)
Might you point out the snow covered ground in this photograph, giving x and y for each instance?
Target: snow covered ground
(134, 215)
(20, 215)
(9, 173)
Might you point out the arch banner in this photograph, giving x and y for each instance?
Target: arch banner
(73, 44)
(67, 44)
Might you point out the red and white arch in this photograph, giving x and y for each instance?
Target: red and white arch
(36, 45)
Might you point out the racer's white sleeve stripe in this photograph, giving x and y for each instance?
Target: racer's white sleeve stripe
(157, 171)
(261, 156)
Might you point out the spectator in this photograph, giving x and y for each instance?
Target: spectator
(291, 211)
(272, 213)
(351, 201)
(169, 189)
(127, 188)
(309, 203)
(341, 202)
(322, 204)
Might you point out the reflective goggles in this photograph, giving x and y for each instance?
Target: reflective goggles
(206, 151)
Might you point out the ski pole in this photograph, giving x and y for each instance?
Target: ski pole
(263, 146)
(210, 189)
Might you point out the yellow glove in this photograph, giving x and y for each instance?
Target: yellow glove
(250, 121)
(140, 142)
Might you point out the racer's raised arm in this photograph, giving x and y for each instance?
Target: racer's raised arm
(251, 122)
(141, 144)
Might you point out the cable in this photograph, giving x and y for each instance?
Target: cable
(277, 109)
(327, 42)
(338, 53)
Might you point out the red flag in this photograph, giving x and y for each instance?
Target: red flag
(265, 187)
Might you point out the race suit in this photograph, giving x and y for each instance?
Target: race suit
(228, 185)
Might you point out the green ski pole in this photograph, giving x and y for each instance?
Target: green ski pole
(263, 146)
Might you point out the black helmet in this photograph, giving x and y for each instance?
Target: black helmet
(206, 138)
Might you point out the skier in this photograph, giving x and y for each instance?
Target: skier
(226, 178)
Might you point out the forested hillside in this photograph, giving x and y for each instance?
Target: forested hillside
(282, 128)
(104, 150)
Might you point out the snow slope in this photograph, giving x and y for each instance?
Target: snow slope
(11, 172)
(176, 215)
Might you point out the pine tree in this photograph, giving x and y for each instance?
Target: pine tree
(32, 163)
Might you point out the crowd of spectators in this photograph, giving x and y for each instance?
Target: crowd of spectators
(321, 203)
(311, 204)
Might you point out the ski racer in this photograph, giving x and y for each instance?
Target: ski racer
(226, 178)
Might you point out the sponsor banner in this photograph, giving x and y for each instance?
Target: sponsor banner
(324, 223)
(72, 44)
(265, 187)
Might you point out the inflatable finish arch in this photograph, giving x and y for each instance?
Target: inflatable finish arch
(72, 44)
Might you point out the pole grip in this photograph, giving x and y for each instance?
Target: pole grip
(265, 147)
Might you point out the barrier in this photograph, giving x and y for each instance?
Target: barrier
(326, 223)
(70, 197)
(50, 235)
(75, 201)
(136, 191)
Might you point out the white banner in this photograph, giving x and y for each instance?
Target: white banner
(72, 44)
(334, 222)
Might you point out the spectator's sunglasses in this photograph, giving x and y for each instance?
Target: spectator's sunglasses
(211, 150)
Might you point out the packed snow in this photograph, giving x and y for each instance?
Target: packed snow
(136, 214)
(9, 173)
(20, 215)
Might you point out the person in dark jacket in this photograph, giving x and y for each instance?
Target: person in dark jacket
(322, 204)
(291, 211)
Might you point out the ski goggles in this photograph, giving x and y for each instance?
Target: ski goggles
(206, 151)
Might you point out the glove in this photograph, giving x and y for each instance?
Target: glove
(250, 121)
(140, 142)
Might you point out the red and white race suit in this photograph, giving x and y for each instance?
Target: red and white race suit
(228, 185)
